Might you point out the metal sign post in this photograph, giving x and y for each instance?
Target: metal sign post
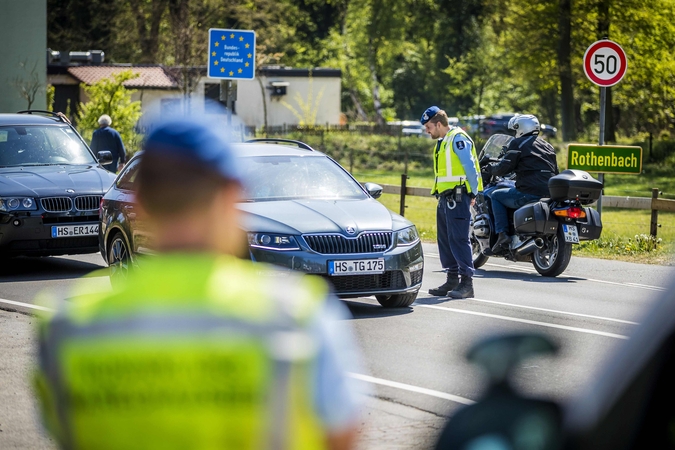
(605, 64)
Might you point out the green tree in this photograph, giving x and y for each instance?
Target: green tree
(109, 96)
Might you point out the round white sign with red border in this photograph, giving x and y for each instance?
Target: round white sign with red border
(605, 63)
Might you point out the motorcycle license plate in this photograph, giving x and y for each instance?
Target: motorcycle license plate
(356, 267)
(571, 234)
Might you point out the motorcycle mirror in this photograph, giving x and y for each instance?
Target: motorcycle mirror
(499, 355)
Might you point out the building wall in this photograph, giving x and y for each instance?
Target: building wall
(23, 34)
(313, 101)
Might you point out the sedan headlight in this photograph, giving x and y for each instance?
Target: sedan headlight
(407, 236)
(17, 204)
(272, 241)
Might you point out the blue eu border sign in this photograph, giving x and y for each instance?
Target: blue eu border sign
(231, 54)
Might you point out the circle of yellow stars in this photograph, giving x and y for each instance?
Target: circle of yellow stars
(217, 44)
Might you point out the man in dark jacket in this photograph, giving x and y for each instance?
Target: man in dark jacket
(533, 160)
(107, 138)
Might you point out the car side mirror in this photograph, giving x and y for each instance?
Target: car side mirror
(375, 190)
(104, 157)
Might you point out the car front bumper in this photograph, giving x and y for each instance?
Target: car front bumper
(403, 267)
(31, 236)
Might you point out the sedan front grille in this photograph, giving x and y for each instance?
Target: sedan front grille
(333, 244)
(389, 280)
(87, 202)
(56, 204)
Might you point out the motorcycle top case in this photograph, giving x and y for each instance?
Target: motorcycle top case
(535, 218)
(591, 227)
(573, 184)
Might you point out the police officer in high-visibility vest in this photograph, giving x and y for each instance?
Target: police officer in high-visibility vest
(197, 349)
(457, 182)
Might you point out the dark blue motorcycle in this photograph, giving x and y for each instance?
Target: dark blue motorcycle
(542, 232)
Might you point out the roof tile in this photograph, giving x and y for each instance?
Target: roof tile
(149, 77)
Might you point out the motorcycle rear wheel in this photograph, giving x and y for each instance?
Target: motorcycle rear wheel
(553, 258)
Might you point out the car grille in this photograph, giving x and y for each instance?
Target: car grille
(392, 279)
(56, 204)
(331, 244)
(87, 202)
(48, 220)
(415, 277)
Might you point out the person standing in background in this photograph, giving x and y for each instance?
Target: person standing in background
(107, 138)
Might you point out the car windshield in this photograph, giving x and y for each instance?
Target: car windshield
(271, 178)
(41, 145)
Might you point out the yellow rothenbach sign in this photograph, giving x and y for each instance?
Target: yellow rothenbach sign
(605, 158)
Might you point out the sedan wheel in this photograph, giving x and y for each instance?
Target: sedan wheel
(396, 300)
(119, 259)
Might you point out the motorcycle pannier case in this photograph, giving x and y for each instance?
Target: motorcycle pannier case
(590, 227)
(535, 218)
(572, 184)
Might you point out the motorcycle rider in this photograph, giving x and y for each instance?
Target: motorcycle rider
(534, 162)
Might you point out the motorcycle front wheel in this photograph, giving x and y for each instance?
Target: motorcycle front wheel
(554, 256)
(479, 259)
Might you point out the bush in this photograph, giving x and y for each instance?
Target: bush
(369, 152)
(662, 149)
(109, 96)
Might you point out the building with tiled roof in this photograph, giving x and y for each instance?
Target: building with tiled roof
(285, 93)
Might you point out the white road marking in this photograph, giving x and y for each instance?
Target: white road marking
(555, 311)
(531, 322)
(528, 270)
(411, 388)
(25, 305)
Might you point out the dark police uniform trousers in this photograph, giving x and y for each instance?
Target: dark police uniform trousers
(452, 227)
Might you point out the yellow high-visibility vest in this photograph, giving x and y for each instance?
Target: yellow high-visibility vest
(193, 352)
(447, 165)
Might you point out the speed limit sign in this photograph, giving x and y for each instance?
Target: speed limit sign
(605, 63)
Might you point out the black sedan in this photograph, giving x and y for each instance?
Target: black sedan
(51, 186)
(303, 212)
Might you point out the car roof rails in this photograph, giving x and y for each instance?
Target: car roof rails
(44, 112)
(300, 144)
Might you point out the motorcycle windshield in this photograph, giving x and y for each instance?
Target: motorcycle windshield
(494, 146)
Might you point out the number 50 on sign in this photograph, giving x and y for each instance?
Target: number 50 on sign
(605, 63)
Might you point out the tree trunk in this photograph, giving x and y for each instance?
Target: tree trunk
(377, 103)
(264, 102)
(149, 38)
(565, 70)
(603, 33)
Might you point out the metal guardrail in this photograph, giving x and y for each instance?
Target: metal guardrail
(654, 203)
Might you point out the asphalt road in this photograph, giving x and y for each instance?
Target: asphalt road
(414, 357)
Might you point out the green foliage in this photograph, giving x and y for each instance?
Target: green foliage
(109, 96)
(400, 56)
(621, 245)
(50, 97)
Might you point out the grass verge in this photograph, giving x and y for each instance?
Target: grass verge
(625, 234)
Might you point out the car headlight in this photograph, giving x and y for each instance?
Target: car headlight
(407, 236)
(17, 204)
(272, 241)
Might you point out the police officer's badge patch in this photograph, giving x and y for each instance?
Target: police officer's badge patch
(460, 145)
(426, 116)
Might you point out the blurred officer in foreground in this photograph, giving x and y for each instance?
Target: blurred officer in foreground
(107, 138)
(197, 349)
(456, 185)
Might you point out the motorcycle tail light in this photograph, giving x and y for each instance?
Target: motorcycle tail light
(573, 212)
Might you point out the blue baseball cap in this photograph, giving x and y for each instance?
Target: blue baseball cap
(193, 141)
(429, 113)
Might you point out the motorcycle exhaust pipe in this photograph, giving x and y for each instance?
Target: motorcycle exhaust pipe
(529, 247)
(539, 242)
